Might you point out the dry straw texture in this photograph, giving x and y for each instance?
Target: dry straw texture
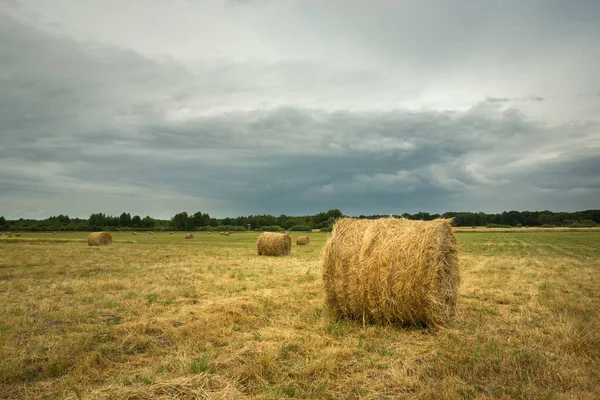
(302, 240)
(274, 244)
(392, 271)
(99, 239)
(189, 236)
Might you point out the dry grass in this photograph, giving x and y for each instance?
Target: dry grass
(206, 318)
(392, 270)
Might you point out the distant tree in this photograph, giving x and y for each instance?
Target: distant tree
(125, 220)
(179, 221)
(148, 222)
(2, 221)
(136, 221)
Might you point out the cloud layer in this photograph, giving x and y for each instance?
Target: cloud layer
(309, 112)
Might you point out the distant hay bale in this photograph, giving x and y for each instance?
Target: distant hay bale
(135, 233)
(221, 233)
(226, 233)
(8, 235)
(189, 236)
(99, 239)
(392, 271)
(151, 233)
(274, 244)
(17, 234)
(170, 233)
(55, 233)
(302, 240)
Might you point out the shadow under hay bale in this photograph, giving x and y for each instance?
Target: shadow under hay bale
(392, 271)
(189, 236)
(274, 244)
(99, 239)
(302, 240)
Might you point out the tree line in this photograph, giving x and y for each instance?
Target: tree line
(324, 220)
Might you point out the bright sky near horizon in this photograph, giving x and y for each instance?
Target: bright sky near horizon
(245, 107)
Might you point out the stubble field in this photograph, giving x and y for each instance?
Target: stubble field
(158, 316)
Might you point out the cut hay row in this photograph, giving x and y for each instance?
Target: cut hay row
(274, 244)
(302, 240)
(99, 239)
(392, 271)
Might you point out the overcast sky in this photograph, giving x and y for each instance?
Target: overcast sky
(254, 106)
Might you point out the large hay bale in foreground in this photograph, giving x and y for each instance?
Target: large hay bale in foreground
(99, 239)
(392, 271)
(189, 236)
(274, 244)
(302, 240)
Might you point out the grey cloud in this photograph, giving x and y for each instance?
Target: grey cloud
(89, 128)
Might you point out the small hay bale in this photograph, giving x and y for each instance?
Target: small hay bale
(135, 233)
(274, 244)
(55, 233)
(189, 236)
(302, 240)
(170, 233)
(392, 271)
(8, 235)
(221, 233)
(226, 233)
(17, 234)
(99, 239)
(151, 233)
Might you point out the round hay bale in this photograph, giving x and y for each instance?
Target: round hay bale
(17, 234)
(55, 233)
(189, 236)
(170, 233)
(8, 235)
(392, 271)
(274, 244)
(221, 233)
(151, 233)
(302, 240)
(99, 239)
(226, 233)
(135, 233)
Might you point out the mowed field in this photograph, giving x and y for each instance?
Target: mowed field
(161, 317)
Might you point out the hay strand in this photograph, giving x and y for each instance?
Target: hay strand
(302, 240)
(99, 239)
(392, 271)
(274, 244)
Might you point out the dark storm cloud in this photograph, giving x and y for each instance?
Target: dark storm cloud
(92, 128)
